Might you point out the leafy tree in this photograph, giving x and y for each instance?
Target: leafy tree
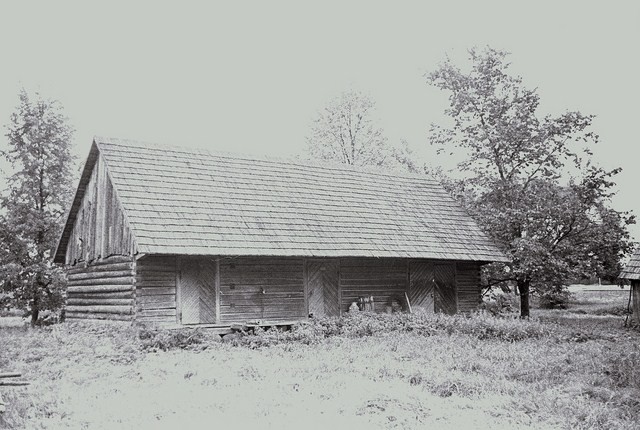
(529, 181)
(345, 132)
(33, 205)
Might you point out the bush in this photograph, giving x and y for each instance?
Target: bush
(554, 298)
(501, 303)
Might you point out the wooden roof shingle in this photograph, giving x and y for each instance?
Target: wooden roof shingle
(631, 270)
(196, 202)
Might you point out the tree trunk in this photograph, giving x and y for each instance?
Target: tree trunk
(34, 316)
(35, 309)
(523, 288)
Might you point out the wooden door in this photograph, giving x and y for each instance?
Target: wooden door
(421, 286)
(445, 292)
(323, 290)
(197, 291)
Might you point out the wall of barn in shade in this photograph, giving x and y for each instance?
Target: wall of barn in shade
(210, 290)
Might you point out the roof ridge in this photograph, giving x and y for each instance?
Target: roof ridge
(295, 160)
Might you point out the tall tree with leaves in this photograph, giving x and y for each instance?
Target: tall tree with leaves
(529, 181)
(345, 131)
(34, 203)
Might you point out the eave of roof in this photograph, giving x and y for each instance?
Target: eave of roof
(631, 270)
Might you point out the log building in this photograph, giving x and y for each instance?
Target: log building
(178, 236)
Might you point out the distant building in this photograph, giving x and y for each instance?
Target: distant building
(631, 272)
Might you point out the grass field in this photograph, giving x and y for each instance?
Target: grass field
(573, 368)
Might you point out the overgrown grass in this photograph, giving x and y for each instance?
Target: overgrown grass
(364, 371)
(153, 340)
(481, 326)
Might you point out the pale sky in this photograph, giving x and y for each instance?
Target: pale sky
(250, 76)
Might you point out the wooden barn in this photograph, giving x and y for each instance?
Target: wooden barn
(631, 272)
(177, 236)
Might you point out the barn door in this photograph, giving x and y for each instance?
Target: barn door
(323, 291)
(445, 281)
(421, 286)
(197, 291)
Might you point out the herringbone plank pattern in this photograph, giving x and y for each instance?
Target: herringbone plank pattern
(324, 293)
(197, 291)
(421, 285)
(206, 285)
(444, 275)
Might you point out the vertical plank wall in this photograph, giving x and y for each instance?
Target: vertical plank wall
(100, 228)
(103, 289)
(156, 289)
(261, 288)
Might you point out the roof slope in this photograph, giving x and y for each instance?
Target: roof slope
(185, 201)
(632, 270)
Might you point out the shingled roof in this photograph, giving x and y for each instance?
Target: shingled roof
(197, 202)
(632, 270)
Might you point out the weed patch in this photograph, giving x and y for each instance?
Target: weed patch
(363, 324)
(153, 340)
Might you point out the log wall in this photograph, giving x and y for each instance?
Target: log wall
(268, 288)
(156, 289)
(102, 290)
(100, 229)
